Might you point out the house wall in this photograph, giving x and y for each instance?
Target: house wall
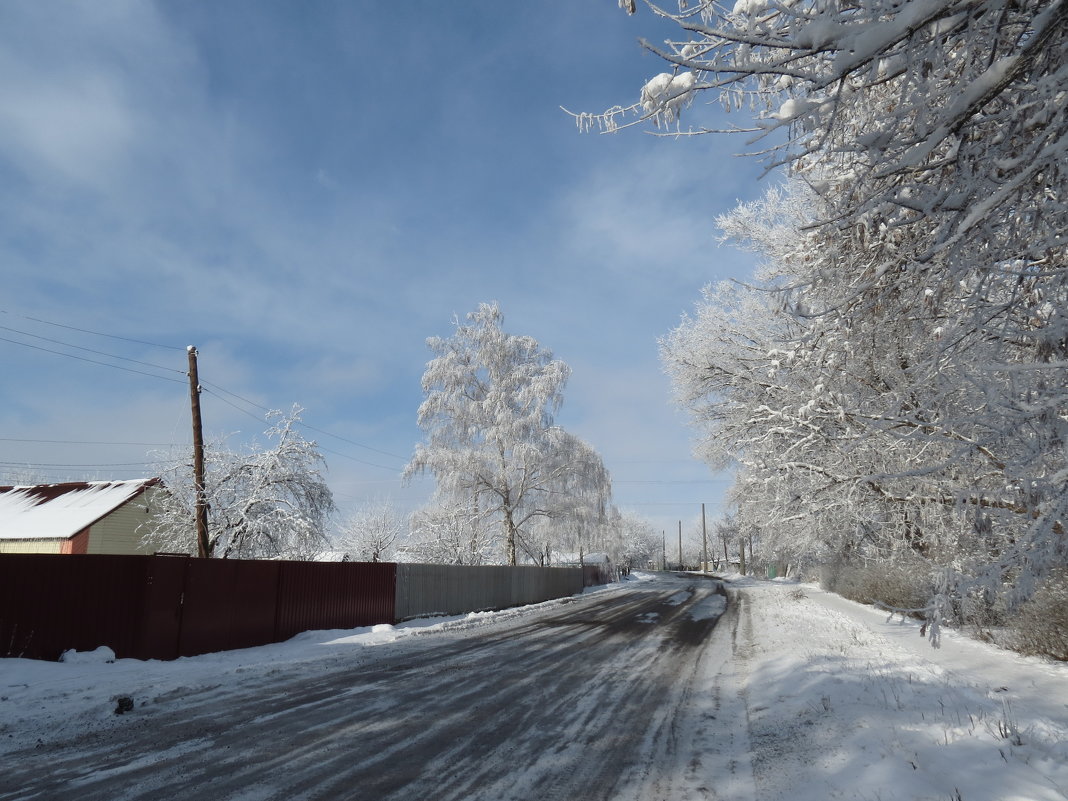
(31, 546)
(121, 531)
(79, 543)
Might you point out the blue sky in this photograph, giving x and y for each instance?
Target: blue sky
(306, 191)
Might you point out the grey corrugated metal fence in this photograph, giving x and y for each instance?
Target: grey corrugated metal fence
(161, 607)
(455, 589)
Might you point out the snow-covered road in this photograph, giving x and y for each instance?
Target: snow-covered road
(634, 692)
(595, 698)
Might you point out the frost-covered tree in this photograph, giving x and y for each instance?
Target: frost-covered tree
(943, 111)
(371, 533)
(932, 135)
(452, 531)
(490, 437)
(262, 503)
(863, 437)
(638, 542)
(911, 398)
(578, 487)
(627, 539)
(928, 135)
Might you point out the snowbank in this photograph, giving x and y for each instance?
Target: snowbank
(844, 703)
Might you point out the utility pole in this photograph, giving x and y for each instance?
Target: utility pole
(704, 542)
(663, 550)
(198, 456)
(680, 545)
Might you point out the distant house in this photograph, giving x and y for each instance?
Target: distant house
(77, 517)
(576, 559)
(597, 567)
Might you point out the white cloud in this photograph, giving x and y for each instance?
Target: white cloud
(76, 130)
(80, 86)
(654, 212)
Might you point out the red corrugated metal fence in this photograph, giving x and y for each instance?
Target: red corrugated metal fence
(49, 603)
(162, 607)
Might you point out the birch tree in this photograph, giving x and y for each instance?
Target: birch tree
(578, 488)
(262, 503)
(488, 420)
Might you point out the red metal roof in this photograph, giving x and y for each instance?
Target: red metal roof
(60, 511)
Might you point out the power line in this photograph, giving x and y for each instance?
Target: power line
(94, 361)
(79, 466)
(94, 333)
(680, 481)
(256, 417)
(29, 474)
(91, 442)
(651, 461)
(354, 459)
(204, 384)
(353, 442)
(259, 419)
(90, 350)
(624, 504)
(415, 479)
(209, 386)
(302, 424)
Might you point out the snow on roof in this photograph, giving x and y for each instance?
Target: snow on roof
(59, 511)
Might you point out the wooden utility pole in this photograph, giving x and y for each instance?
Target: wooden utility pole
(680, 545)
(704, 542)
(201, 507)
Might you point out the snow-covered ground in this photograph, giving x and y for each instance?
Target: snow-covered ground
(42, 702)
(809, 697)
(844, 703)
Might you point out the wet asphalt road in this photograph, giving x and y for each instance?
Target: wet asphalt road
(586, 700)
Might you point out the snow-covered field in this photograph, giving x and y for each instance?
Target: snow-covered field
(809, 697)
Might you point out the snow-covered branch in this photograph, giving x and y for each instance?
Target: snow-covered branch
(263, 504)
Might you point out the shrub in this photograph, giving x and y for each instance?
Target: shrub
(1041, 625)
(902, 585)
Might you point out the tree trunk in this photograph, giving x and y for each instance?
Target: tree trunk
(509, 531)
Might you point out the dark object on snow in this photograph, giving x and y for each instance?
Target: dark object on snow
(125, 704)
